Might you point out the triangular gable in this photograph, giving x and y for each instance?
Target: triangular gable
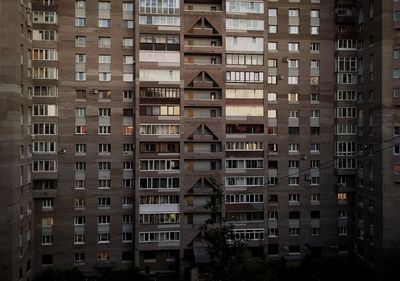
(201, 24)
(203, 76)
(203, 130)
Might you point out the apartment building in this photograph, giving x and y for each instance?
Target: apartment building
(16, 204)
(123, 118)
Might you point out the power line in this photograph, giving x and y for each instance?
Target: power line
(261, 188)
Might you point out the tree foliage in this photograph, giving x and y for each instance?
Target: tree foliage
(51, 274)
(226, 252)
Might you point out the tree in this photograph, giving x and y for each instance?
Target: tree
(51, 274)
(227, 259)
(130, 274)
(226, 251)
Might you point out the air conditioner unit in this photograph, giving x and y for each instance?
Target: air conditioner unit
(94, 92)
(63, 150)
(285, 59)
(280, 76)
(303, 157)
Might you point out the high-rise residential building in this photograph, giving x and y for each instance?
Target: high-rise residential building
(16, 90)
(121, 119)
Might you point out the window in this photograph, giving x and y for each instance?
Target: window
(158, 236)
(44, 128)
(104, 42)
(293, 98)
(271, 113)
(45, 73)
(127, 42)
(315, 198)
(79, 203)
(294, 148)
(80, 4)
(80, 149)
(103, 238)
(79, 220)
(80, 112)
(272, 28)
(127, 6)
(272, 80)
(127, 148)
(127, 202)
(314, 97)
(103, 220)
(80, 166)
(314, 30)
(314, 47)
(104, 76)
(80, 76)
(45, 91)
(127, 237)
(244, 77)
(80, 41)
(79, 258)
(44, 35)
(47, 204)
(104, 59)
(396, 149)
(79, 239)
(104, 112)
(80, 184)
(44, 110)
(47, 259)
(104, 166)
(104, 23)
(244, 24)
(293, 46)
(294, 12)
(104, 148)
(47, 240)
(104, 184)
(44, 54)
(80, 130)
(293, 80)
(272, 46)
(314, 148)
(104, 130)
(272, 97)
(127, 24)
(104, 202)
(127, 130)
(46, 17)
(294, 29)
(80, 22)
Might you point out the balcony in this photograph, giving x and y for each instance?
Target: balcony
(342, 187)
(105, 264)
(44, 193)
(345, 19)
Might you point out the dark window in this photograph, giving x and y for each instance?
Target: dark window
(273, 249)
(294, 130)
(315, 214)
(47, 259)
(127, 256)
(294, 215)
